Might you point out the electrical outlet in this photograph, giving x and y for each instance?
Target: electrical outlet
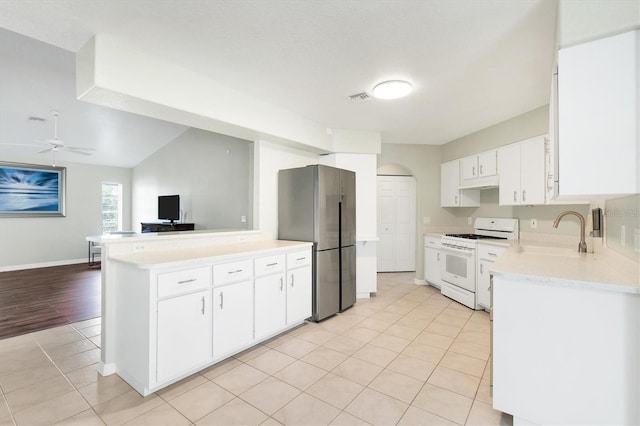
(469, 220)
(623, 235)
(534, 223)
(243, 219)
(426, 220)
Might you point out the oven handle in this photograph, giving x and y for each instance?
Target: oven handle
(458, 251)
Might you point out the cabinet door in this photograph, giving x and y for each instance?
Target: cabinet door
(298, 294)
(482, 284)
(509, 181)
(432, 266)
(184, 334)
(270, 305)
(232, 317)
(487, 164)
(532, 171)
(469, 167)
(449, 183)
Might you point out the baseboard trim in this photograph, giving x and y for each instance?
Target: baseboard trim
(42, 265)
(418, 281)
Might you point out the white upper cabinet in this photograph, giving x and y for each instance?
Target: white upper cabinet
(480, 170)
(522, 173)
(598, 113)
(450, 194)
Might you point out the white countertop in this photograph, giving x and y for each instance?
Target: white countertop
(605, 270)
(154, 258)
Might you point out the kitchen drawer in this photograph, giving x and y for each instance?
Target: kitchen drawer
(232, 272)
(269, 264)
(185, 281)
(489, 251)
(432, 241)
(298, 258)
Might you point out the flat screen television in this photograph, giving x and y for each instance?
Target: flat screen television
(169, 207)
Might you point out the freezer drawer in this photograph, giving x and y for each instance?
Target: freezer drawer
(348, 275)
(326, 284)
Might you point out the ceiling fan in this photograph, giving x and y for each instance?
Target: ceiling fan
(55, 144)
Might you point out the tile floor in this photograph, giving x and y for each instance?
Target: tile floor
(407, 356)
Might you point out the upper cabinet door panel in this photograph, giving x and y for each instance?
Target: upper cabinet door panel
(469, 167)
(488, 164)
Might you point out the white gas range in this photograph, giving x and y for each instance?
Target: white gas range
(458, 268)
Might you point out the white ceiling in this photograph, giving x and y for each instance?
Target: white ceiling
(473, 63)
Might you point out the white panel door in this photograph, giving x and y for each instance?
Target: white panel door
(396, 223)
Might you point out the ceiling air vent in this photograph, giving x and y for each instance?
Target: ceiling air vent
(360, 97)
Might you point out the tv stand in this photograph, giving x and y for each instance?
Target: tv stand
(166, 227)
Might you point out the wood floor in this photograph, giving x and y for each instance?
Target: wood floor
(36, 299)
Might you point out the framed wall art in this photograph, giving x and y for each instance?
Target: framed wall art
(31, 190)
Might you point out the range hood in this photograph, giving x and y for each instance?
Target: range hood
(481, 183)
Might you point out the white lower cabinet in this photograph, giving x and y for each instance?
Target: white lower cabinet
(487, 254)
(270, 305)
(174, 321)
(432, 261)
(184, 333)
(232, 317)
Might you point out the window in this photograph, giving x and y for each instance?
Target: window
(111, 207)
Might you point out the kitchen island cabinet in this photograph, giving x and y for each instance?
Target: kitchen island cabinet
(566, 348)
(179, 311)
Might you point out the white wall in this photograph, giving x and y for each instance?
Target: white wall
(212, 173)
(37, 242)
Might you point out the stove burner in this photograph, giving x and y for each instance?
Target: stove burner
(475, 237)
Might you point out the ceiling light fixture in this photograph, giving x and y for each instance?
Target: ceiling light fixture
(392, 89)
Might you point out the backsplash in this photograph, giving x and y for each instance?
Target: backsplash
(622, 226)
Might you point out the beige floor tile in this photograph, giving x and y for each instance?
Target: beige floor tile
(91, 331)
(57, 353)
(234, 412)
(300, 374)
(361, 333)
(280, 338)
(412, 367)
(84, 418)
(474, 337)
(377, 408)
(463, 363)
(387, 341)
(346, 419)
(402, 331)
(162, 415)
(201, 400)
(84, 376)
(126, 407)
(480, 327)
(104, 389)
(444, 329)
(455, 381)
(5, 414)
(220, 368)
(443, 403)
(433, 339)
(6, 344)
(487, 371)
(37, 393)
(484, 415)
(295, 347)
(96, 340)
(270, 395)
(395, 308)
(375, 324)
(450, 320)
(396, 385)
(389, 317)
(306, 410)
(471, 349)
(271, 361)
(327, 359)
(424, 352)
(317, 335)
(175, 390)
(29, 376)
(79, 360)
(415, 416)
(251, 353)
(484, 392)
(22, 357)
(335, 390)
(87, 323)
(271, 422)
(240, 378)
(53, 410)
(48, 339)
(344, 345)
(357, 370)
(376, 355)
(412, 321)
(458, 311)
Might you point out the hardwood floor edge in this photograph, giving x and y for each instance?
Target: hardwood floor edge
(44, 264)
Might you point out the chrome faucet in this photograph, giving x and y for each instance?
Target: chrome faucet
(582, 246)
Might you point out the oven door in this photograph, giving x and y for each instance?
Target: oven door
(459, 267)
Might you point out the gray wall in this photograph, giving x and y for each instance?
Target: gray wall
(212, 173)
(59, 240)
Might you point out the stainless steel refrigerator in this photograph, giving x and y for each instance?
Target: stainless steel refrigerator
(318, 203)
